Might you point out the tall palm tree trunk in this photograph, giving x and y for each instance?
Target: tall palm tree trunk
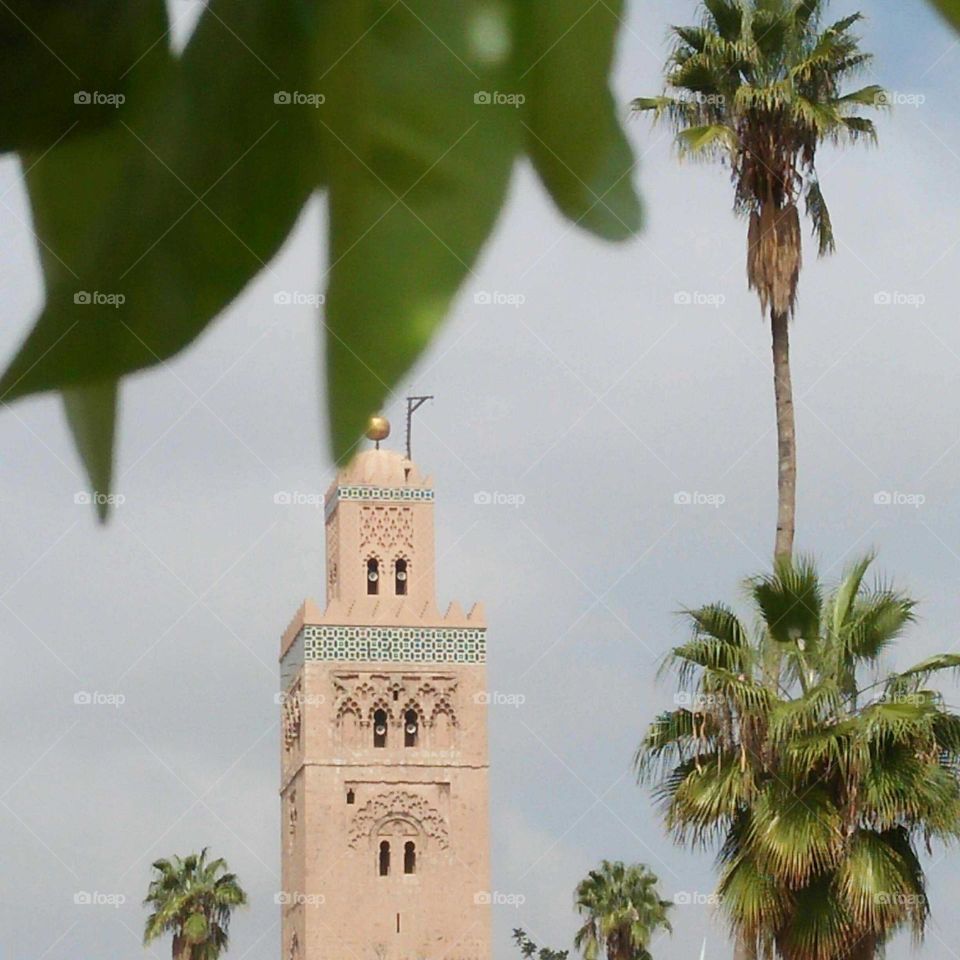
(786, 438)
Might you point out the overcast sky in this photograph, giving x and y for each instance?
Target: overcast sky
(597, 401)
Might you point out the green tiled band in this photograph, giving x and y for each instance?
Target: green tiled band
(395, 644)
(369, 494)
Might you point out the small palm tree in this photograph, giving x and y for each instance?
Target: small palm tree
(820, 780)
(623, 912)
(759, 85)
(192, 899)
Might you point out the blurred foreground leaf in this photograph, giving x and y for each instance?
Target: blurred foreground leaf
(92, 416)
(171, 211)
(419, 161)
(573, 133)
(950, 9)
(66, 67)
(411, 114)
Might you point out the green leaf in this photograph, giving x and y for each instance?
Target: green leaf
(195, 928)
(573, 134)
(819, 214)
(92, 416)
(175, 209)
(871, 96)
(714, 136)
(57, 80)
(419, 145)
(950, 9)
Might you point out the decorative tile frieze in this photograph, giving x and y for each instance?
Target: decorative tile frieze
(370, 494)
(395, 644)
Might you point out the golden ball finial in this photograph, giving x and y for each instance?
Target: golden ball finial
(378, 429)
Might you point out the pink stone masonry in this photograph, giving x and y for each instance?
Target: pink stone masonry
(384, 782)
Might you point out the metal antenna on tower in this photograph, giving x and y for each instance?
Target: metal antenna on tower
(413, 405)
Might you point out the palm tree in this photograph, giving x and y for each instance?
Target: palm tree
(818, 785)
(623, 912)
(758, 85)
(193, 899)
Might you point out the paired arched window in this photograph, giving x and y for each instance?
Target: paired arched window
(373, 576)
(409, 858)
(380, 728)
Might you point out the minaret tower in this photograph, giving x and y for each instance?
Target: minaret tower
(384, 742)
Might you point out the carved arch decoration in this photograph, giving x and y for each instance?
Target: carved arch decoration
(399, 805)
(443, 706)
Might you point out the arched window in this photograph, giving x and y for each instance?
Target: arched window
(383, 862)
(411, 728)
(400, 576)
(409, 857)
(380, 728)
(373, 576)
(351, 797)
